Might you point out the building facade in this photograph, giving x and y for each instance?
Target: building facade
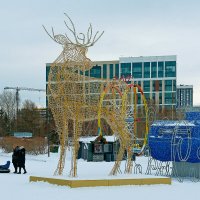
(155, 74)
(184, 96)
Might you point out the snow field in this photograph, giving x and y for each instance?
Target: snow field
(17, 186)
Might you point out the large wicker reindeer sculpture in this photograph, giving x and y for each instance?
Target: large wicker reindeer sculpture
(74, 96)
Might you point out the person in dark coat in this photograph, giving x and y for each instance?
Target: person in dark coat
(15, 157)
(21, 160)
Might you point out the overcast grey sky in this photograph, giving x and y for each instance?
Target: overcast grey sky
(132, 28)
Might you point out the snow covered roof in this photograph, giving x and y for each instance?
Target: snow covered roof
(173, 123)
(92, 138)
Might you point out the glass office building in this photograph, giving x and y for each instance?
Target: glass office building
(155, 74)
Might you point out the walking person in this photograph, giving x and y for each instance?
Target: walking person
(15, 158)
(21, 160)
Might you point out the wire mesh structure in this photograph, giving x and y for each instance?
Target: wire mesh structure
(174, 148)
(122, 105)
(72, 95)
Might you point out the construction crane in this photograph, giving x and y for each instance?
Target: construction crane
(17, 93)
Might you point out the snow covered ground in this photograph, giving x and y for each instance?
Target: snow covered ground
(17, 186)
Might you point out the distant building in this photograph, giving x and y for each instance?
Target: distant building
(155, 74)
(184, 96)
(42, 112)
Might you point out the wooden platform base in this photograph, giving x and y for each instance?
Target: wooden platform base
(103, 182)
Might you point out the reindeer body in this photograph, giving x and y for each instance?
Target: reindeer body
(70, 98)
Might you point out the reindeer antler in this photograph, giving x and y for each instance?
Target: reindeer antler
(64, 39)
(88, 43)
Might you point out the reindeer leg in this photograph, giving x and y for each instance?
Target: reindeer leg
(129, 162)
(119, 129)
(116, 168)
(77, 133)
(63, 145)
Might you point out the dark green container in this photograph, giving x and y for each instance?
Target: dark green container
(89, 156)
(80, 150)
(54, 148)
(116, 146)
(89, 152)
(108, 157)
(90, 147)
(98, 157)
(113, 157)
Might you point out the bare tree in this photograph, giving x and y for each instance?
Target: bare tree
(8, 111)
(29, 105)
(30, 120)
(8, 104)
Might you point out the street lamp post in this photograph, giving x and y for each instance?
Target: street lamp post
(47, 129)
(1, 115)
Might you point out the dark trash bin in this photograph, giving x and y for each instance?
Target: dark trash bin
(54, 148)
(133, 157)
(89, 156)
(113, 157)
(108, 157)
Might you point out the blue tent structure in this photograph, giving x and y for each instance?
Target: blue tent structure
(177, 142)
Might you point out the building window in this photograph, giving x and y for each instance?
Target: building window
(125, 70)
(174, 85)
(94, 88)
(154, 97)
(160, 98)
(87, 73)
(146, 69)
(104, 71)
(160, 85)
(170, 69)
(146, 86)
(157, 85)
(168, 85)
(147, 96)
(47, 73)
(160, 69)
(95, 72)
(54, 72)
(168, 98)
(138, 98)
(116, 70)
(154, 70)
(137, 70)
(111, 71)
(173, 97)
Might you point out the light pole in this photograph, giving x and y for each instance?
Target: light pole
(1, 112)
(1, 119)
(47, 129)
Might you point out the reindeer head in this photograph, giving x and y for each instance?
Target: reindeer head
(75, 51)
